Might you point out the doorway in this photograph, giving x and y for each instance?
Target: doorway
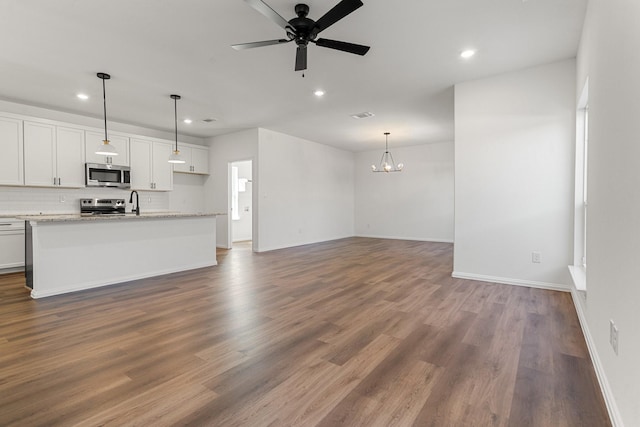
(241, 208)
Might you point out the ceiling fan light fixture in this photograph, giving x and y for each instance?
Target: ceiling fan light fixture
(175, 156)
(105, 148)
(387, 164)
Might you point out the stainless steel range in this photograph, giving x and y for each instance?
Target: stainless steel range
(102, 207)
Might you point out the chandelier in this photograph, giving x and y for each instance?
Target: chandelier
(387, 164)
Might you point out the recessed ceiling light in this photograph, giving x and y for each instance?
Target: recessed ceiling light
(362, 115)
(319, 93)
(466, 54)
(188, 121)
(83, 96)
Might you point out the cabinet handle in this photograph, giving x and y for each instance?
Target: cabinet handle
(59, 181)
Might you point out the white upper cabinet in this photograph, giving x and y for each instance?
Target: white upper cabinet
(161, 168)
(141, 177)
(120, 143)
(53, 155)
(11, 141)
(40, 154)
(150, 169)
(200, 160)
(70, 156)
(196, 160)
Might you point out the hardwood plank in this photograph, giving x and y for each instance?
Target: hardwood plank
(351, 332)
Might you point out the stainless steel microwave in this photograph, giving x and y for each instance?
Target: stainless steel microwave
(98, 175)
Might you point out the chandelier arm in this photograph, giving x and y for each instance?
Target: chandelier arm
(381, 161)
(393, 162)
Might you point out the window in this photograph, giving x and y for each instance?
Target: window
(585, 155)
(579, 267)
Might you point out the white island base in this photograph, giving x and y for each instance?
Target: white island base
(70, 253)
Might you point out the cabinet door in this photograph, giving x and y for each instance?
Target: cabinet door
(70, 157)
(120, 143)
(11, 160)
(11, 246)
(200, 160)
(141, 177)
(162, 169)
(39, 154)
(186, 155)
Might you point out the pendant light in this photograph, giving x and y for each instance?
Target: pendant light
(386, 161)
(176, 157)
(105, 148)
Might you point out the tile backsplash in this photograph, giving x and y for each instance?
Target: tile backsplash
(33, 201)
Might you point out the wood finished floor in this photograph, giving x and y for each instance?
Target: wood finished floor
(355, 332)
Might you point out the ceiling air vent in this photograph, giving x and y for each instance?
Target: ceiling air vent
(362, 115)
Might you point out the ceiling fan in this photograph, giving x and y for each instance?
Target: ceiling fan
(303, 30)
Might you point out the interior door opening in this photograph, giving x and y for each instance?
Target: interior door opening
(241, 209)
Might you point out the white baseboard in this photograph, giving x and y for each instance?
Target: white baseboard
(612, 407)
(509, 281)
(12, 269)
(417, 239)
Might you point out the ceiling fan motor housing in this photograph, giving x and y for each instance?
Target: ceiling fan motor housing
(303, 26)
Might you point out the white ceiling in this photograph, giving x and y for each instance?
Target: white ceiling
(153, 48)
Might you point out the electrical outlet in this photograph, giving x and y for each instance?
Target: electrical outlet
(536, 257)
(613, 336)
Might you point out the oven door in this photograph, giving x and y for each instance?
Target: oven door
(98, 175)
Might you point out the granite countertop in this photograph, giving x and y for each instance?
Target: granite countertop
(78, 217)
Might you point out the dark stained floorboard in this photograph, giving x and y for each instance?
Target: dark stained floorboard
(353, 332)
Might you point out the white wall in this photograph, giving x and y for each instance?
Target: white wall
(223, 150)
(514, 144)
(305, 191)
(188, 193)
(415, 204)
(242, 227)
(609, 57)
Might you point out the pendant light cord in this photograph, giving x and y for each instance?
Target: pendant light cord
(104, 99)
(175, 103)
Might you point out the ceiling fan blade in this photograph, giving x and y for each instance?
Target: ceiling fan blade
(301, 58)
(338, 12)
(243, 46)
(358, 49)
(266, 10)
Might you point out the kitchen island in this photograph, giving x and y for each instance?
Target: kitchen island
(68, 253)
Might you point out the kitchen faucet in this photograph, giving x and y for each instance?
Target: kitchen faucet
(136, 209)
